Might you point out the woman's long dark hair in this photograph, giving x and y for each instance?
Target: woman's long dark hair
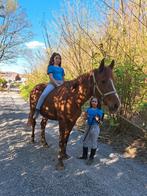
(51, 61)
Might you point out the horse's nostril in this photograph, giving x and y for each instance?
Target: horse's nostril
(115, 106)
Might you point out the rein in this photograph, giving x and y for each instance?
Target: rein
(103, 95)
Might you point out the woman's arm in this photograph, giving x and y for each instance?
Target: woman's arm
(63, 79)
(53, 80)
(63, 74)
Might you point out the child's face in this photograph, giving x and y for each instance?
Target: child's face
(57, 60)
(94, 103)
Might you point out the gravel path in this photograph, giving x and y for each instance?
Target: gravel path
(29, 169)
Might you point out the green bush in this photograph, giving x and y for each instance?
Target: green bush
(130, 83)
(25, 90)
(2, 81)
(33, 79)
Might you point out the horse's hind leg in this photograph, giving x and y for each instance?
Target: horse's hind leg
(43, 125)
(33, 130)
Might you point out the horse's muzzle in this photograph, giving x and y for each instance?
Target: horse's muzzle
(114, 108)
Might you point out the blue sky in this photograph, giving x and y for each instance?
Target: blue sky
(36, 11)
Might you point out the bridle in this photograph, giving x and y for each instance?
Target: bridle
(95, 87)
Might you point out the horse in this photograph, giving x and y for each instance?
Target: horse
(64, 103)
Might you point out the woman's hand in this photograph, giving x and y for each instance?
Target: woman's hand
(53, 80)
(57, 84)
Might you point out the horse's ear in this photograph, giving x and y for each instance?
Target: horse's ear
(102, 65)
(112, 64)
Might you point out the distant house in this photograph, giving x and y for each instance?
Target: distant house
(9, 76)
(17, 77)
(13, 76)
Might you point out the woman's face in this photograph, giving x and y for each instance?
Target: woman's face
(57, 60)
(94, 103)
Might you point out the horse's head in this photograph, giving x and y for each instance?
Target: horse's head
(104, 86)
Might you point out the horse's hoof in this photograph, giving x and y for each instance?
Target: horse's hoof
(32, 141)
(46, 145)
(60, 167)
(66, 156)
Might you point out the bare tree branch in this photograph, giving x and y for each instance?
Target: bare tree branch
(13, 33)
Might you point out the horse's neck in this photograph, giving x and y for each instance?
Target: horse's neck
(85, 89)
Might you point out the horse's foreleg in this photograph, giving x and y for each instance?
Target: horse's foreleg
(43, 125)
(33, 130)
(66, 136)
(60, 164)
(63, 139)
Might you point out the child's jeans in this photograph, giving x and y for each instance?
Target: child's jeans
(92, 137)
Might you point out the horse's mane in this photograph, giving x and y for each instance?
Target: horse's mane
(77, 81)
(81, 76)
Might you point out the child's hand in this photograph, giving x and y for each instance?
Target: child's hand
(97, 118)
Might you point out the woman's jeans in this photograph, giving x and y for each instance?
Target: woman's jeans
(46, 91)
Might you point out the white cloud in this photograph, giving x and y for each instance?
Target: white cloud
(35, 44)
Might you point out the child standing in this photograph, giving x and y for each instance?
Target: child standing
(56, 75)
(94, 116)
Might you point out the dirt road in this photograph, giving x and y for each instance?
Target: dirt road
(29, 169)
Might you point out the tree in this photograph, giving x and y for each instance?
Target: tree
(108, 28)
(14, 30)
(76, 48)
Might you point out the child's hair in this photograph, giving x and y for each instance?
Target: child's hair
(51, 61)
(98, 102)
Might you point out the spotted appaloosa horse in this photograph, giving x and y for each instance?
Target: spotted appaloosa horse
(64, 103)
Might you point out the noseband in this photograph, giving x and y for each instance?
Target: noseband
(103, 95)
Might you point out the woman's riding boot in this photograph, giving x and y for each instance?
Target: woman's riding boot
(85, 153)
